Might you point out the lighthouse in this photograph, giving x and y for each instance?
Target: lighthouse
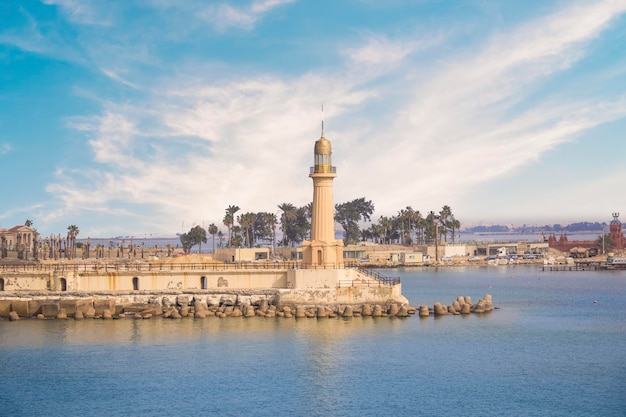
(323, 250)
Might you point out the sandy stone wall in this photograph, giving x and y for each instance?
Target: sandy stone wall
(151, 281)
(290, 286)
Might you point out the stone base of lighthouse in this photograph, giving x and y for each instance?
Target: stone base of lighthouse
(319, 254)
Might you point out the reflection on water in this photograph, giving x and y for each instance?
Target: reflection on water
(549, 351)
(324, 335)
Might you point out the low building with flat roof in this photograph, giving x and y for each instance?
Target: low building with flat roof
(241, 254)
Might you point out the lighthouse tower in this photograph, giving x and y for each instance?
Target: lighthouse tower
(322, 251)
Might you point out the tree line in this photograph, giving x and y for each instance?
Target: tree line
(248, 229)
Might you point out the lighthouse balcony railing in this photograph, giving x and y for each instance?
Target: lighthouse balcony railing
(333, 170)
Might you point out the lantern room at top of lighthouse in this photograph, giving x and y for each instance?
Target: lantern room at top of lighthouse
(323, 157)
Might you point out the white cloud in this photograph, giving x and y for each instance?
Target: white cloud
(83, 12)
(423, 138)
(243, 143)
(381, 50)
(463, 117)
(5, 148)
(225, 16)
(264, 6)
(116, 77)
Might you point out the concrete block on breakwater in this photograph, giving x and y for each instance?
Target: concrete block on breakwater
(461, 306)
(228, 303)
(21, 307)
(199, 305)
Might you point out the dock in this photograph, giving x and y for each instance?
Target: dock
(585, 266)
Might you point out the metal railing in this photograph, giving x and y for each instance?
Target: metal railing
(367, 283)
(383, 280)
(379, 279)
(153, 267)
(149, 267)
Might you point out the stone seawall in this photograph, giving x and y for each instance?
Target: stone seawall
(202, 304)
(290, 286)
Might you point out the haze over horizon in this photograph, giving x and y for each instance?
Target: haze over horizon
(131, 118)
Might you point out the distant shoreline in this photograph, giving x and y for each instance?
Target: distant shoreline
(585, 232)
(463, 233)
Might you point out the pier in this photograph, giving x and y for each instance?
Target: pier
(585, 266)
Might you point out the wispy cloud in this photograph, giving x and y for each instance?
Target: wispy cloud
(463, 116)
(25, 212)
(224, 16)
(116, 77)
(41, 39)
(205, 145)
(5, 148)
(381, 50)
(429, 135)
(85, 12)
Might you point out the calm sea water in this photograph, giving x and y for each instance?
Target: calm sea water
(556, 347)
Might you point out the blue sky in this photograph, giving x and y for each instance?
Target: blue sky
(150, 116)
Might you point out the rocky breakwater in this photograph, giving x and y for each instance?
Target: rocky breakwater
(267, 309)
(198, 306)
(460, 306)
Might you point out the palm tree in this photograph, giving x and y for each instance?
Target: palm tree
(377, 232)
(444, 216)
(236, 239)
(386, 228)
(454, 225)
(431, 226)
(287, 219)
(418, 218)
(408, 221)
(423, 225)
(213, 231)
(367, 234)
(229, 220)
(246, 221)
(302, 225)
(273, 221)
